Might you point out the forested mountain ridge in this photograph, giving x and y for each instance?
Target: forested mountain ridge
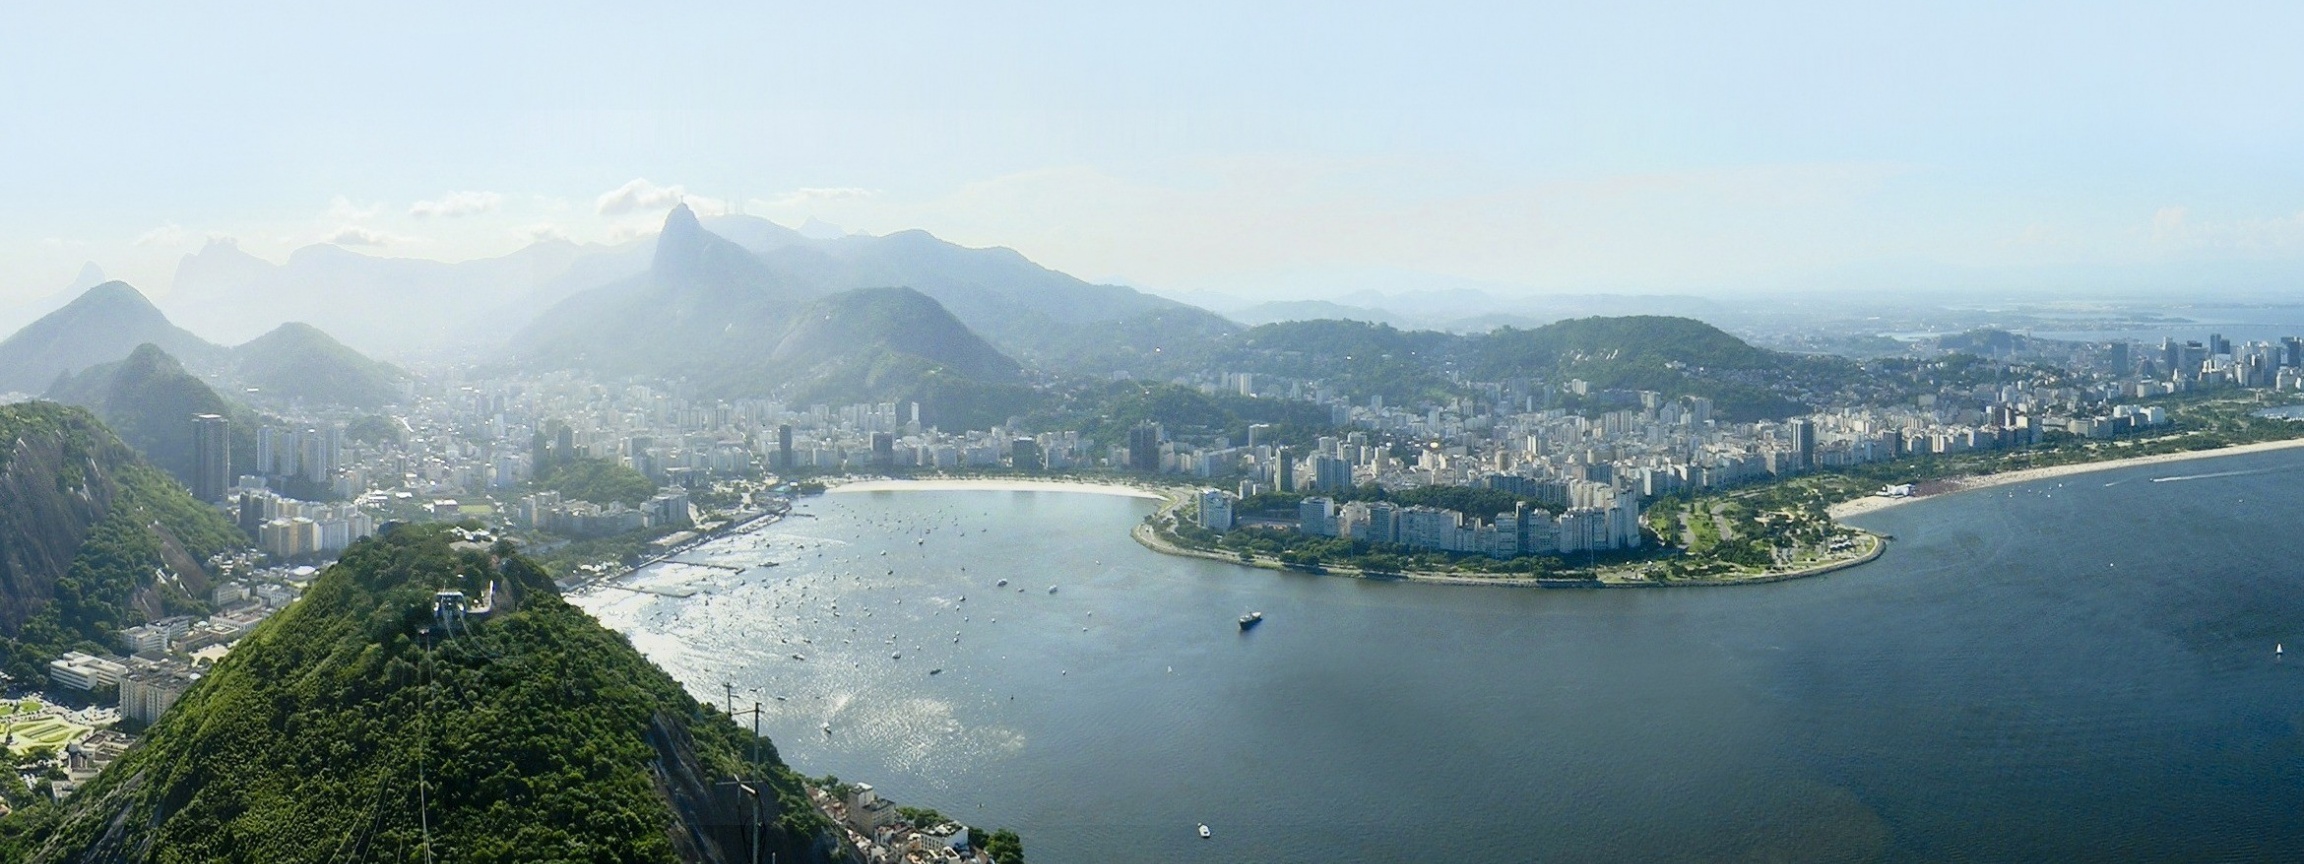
(354, 726)
(1674, 356)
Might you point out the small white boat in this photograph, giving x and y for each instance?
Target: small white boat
(1204, 832)
(1000, 584)
(1051, 589)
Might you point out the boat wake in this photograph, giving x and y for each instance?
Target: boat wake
(2215, 474)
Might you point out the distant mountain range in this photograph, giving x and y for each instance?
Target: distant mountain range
(384, 305)
(1671, 355)
(107, 323)
(740, 306)
(387, 305)
(714, 312)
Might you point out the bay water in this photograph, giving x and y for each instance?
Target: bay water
(2076, 668)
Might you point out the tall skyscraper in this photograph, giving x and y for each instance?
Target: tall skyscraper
(1331, 474)
(211, 457)
(1804, 441)
(2118, 352)
(784, 447)
(883, 449)
(1144, 448)
(1284, 470)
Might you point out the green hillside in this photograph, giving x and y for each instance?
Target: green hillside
(1674, 356)
(880, 345)
(298, 362)
(84, 524)
(333, 733)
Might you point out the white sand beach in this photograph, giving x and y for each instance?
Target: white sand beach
(1877, 503)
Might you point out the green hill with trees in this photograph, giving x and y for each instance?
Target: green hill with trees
(298, 362)
(597, 480)
(354, 727)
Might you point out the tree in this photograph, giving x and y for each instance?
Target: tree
(1005, 847)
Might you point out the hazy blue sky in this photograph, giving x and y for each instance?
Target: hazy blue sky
(1228, 147)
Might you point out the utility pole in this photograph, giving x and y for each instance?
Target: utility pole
(755, 712)
(754, 823)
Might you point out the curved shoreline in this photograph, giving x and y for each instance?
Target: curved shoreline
(1146, 535)
(1173, 497)
(992, 484)
(1874, 503)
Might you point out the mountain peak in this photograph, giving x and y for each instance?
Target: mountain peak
(90, 277)
(114, 294)
(299, 362)
(682, 238)
(103, 324)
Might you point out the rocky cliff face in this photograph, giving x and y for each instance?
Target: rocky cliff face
(93, 539)
(55, 485)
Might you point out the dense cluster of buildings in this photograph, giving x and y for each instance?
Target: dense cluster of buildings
(1593, 469)
(880, 834)
(545, 511)
(164, 657)
(288, 528)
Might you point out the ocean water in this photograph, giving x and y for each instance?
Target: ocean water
(2073, 669)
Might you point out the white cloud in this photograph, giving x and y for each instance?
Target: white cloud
(640, 195)
(543, 231)
(357, 235)
(456, 204)
(808, 195)
(341, 209)
(2168, 223)
(170, 234)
